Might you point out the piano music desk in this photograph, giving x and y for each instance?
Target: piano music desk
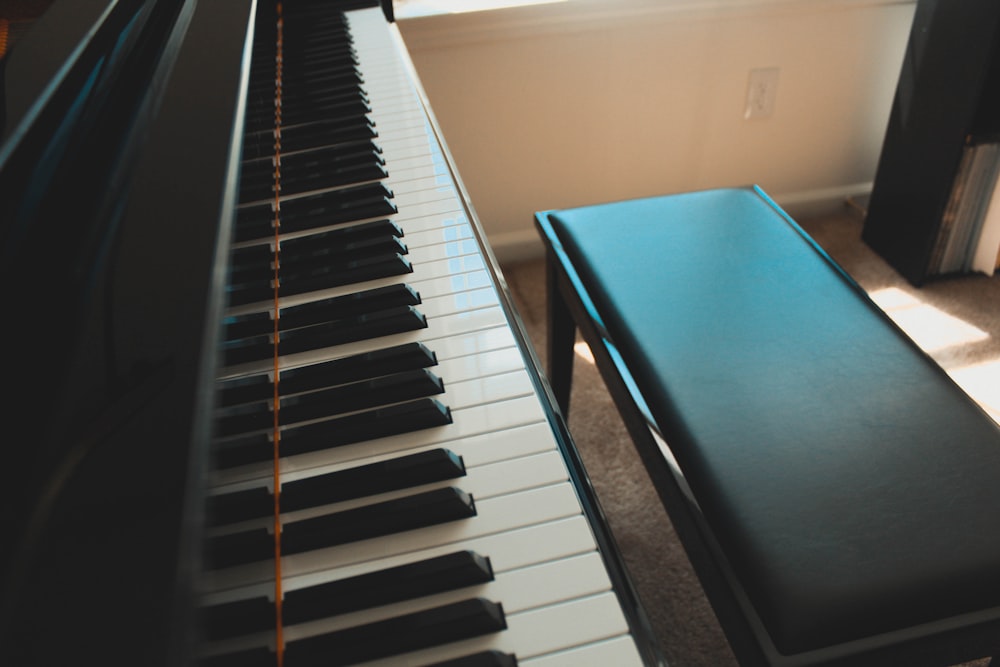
(837, 494)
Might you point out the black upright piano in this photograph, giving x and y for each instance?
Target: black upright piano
(269, 402)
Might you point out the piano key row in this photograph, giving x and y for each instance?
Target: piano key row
(485, 383)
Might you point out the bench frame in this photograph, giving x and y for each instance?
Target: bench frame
(569, 309)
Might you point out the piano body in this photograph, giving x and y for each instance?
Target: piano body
(183, 183)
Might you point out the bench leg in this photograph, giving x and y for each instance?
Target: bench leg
(560, 340)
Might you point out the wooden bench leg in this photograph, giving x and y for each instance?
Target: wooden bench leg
(560, 340)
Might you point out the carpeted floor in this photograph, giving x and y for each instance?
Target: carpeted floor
(957, 321)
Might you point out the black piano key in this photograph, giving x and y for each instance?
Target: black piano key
(368, 425)
(327, 133)
(331, 90)
(322, 259)
(405, 582)
(333, 110)
(332, 71)
(313, 158)
(419, 510)
(303, 172)
(333, 207)
(424, 629)
(355, 271)
(296, 256)
(482, 659)
(332, 242)
(317, 36)
(327, 57)
(342, 110)
(321, 43)
(321, 310)
(358, 271)
(402, 472)
(386, 518)
(336, 106)
(246, 546)
(362, 395)
(240, 617)
(313, 19)
(312, 30)
(316, 243)
(260, 144)
(395, 388)
(239, 506)
(362, 366)
(327, 334)
(395, 319)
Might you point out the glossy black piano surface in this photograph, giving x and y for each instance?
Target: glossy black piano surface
(137, 254)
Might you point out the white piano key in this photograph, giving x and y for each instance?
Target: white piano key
(617, 651)
(459, 395)
(439, 235)
(422, 209)
(458, 302)
(410, 198)
(492, 363)
(445, 250)
(408, 156)
(452, 283)
(416, 224)
(441, 182)
(399, 140)
(413, 166)
(538, 632)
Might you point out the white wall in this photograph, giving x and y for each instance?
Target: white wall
(586, 101)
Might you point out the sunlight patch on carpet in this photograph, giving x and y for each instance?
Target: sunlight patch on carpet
(982, 382)
(931, 328)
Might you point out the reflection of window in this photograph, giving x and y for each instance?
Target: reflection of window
(412, 8)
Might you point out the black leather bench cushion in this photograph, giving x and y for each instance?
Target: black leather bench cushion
(854, 488)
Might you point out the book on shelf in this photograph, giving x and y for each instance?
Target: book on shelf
(968, 238)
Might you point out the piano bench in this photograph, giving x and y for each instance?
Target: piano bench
(837, 494)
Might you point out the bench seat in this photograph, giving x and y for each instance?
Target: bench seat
(839, 495)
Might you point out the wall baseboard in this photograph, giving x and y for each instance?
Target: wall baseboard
(820, 201)
(520, 246)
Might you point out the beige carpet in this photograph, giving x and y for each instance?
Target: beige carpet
(957, 321)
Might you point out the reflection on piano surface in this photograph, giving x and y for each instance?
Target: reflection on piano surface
(272, 280)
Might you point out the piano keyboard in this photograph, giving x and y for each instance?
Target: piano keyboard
(428, 516)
